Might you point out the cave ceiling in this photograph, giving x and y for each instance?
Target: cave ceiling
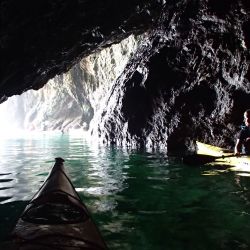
(40, 39)
(188, 80)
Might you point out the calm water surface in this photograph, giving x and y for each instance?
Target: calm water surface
(139, 200)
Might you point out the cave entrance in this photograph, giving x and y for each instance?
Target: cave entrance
(71, 100)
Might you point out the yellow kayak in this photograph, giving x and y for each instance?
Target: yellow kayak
(241, 163)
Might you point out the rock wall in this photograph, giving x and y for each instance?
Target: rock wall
(50, 108)
(70, 101)
(188, 79)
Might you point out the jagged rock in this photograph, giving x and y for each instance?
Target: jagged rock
(192, 81)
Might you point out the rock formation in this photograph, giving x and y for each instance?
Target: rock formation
(70, 101)
(187, 80)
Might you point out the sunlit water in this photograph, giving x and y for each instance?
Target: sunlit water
(139, 200)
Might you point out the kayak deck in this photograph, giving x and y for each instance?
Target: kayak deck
(236, 163)
(56, 218)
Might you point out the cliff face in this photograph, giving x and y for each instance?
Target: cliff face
(48, 109)
(188, 79)
(71, 100)
(43, 38)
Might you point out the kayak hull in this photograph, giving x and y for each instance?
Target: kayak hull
(76, 236)
(56, 218)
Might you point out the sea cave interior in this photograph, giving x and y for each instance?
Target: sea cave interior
(155, 75)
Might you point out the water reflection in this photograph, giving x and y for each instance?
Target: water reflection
(102, 176)
(139, 200)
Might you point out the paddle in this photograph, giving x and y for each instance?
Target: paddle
(200, 159)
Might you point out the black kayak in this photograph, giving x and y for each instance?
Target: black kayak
(56, 218)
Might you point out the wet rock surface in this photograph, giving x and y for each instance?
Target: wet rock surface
(188, 79)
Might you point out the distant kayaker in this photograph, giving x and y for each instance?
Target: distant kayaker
(243, 139)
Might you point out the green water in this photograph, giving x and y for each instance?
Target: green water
(139, 200)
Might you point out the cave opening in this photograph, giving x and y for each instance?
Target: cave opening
(69, 101)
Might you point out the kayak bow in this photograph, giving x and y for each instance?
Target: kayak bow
(56, 218)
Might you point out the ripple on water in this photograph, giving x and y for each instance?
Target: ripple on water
(138, 200)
